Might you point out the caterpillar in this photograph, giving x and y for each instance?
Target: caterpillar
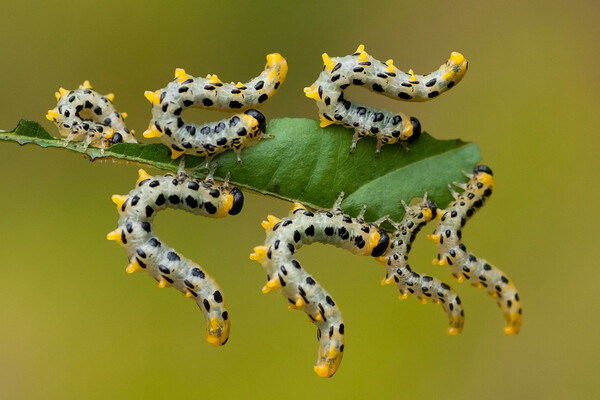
(286, 275)
(410, 282)
(361, 69)
(84, 115)
(464, 264)
(169, 268)
(213, 138)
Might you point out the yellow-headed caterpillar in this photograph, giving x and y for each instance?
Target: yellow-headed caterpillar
(84, 115)
(361, 69)
(213, 138)
(465, 265)
(410, 282)
(285, 274)
(147, 253)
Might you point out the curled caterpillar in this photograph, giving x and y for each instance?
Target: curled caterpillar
(84, 115)
(363, 70)
(213, 138)
(284, 273)
(147, 253)
(465, 265)
(410, 282)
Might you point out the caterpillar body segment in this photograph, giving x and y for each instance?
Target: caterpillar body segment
(409, 282)
(236, 132)
(464, 264)
(146, 252)
(84, 115)
(286, 275)
(361, 69)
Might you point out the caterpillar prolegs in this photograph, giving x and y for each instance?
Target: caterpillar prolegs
(213, 138)
(286, 275)
(84, 115)
(147, 253)
(464, 264)
(361, 69)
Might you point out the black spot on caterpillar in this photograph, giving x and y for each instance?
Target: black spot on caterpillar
(146, 252)
(211, 139)
(84, 115)
(464, 264)
(278, 257)
(407, 280)
(363, 70)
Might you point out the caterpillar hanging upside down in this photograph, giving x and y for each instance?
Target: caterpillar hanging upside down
(286, 275)
(213, 138)
(465, 265)
(362, 69)
(147, 253)
(83, 115)
(410, 282)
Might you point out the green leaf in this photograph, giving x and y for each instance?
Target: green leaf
(311, 165)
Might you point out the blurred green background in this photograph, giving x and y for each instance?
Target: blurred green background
(73, 324)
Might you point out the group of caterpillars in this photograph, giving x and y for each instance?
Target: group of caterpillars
(85, 116)
(301, 226)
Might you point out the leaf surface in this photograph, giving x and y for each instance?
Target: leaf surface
(311, 165)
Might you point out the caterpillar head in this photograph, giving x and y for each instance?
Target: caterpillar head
(116, 138)
(420, 213)
(482, 168)
(238, 201)
(429, 210)
(259, 117)
(484, 174)
(382, 245)
(416, 129)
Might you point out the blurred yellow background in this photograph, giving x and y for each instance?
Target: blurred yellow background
(74, 325)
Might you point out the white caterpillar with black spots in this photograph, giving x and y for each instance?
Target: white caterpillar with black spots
(84, 115)
(213, 138)
(146, 252)
(285, 275)
(361, 69)
(409, 282)
(464, 264)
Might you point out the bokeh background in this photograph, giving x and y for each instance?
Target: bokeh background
(74, 325)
